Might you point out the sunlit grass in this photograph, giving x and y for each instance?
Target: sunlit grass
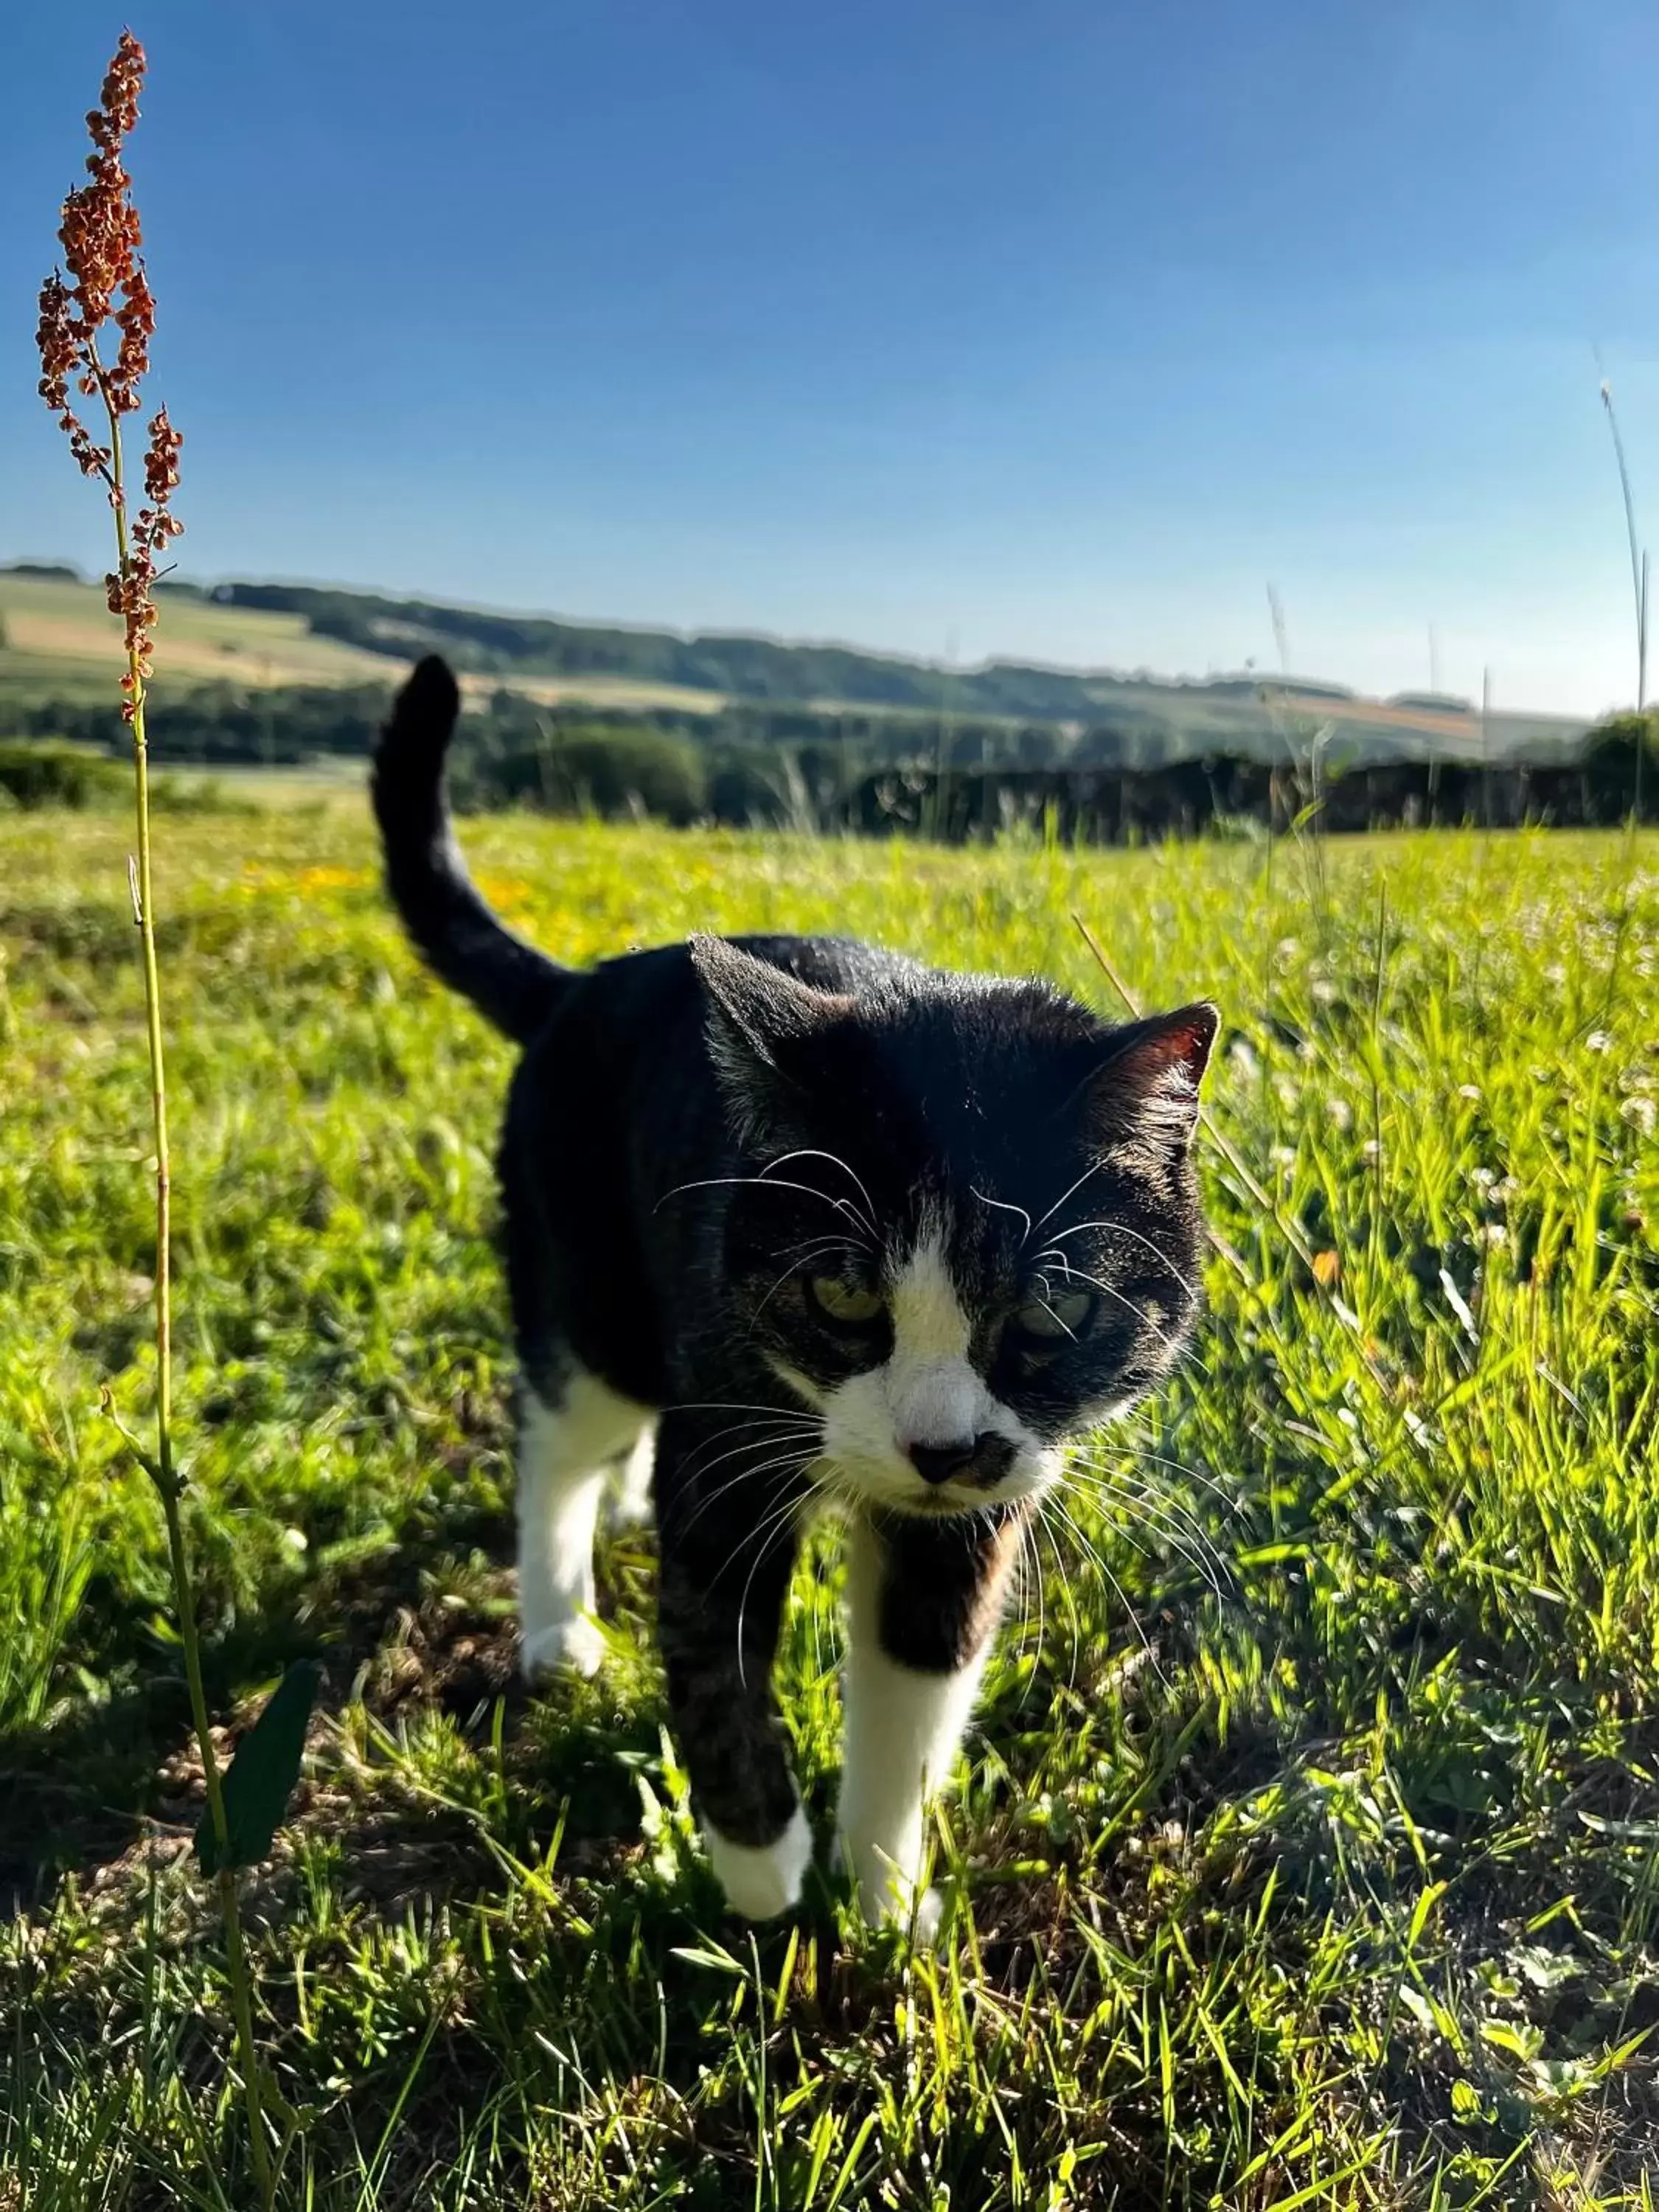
(1336, 1886)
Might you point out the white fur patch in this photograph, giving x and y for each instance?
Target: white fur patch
(928, 1392)
(633, 1500)
(901, 1735)
(577, 1643)
(762, 1881)
(563, 1454)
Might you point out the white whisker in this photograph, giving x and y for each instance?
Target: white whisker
(754, 1473)
(702, 1499)
(1111, 1475)
(1024, 1572)
(1080, 1275)
(758, 1419)
(736, 1406)
(1070, 1594)
(767, 1183)
(775, 1524)
(1189, 1544)
(1055, 1318)
(1122, 1597)
(1065, 1194)
(798, 1261)
(1122, 1229)
(1003, 1206)
(1167, 1514)
(834, 1160)
(1219, 1490)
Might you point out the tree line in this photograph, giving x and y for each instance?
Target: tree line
(812, 769)
(1221, 793)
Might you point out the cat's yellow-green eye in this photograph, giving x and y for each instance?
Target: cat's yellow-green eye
(1060, 1315)
(852, 1305)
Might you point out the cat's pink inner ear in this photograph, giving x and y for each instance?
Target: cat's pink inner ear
(1169, 1048)
(1147, 1087)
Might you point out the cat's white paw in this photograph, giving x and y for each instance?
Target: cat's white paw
(928, 1913)
(575, 1644)
(631, 1504)
(763, 1880)
(885, 1899)
(894, 1906)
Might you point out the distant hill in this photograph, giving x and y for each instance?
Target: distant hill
(733, 666)
(59, 639)
(1137, 714)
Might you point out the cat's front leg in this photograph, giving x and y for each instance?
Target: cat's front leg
(924, 1598)
(565, 1438)
(728, 1543)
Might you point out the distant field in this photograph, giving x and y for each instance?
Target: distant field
(1306, 1849)
(63, 633)
(335, 782)
(617, 691)
(61, 641)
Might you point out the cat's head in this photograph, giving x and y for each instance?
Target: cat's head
(967, 1224)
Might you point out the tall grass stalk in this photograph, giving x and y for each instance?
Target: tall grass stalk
(99, 236)
(1306, 759)
(1638, 582)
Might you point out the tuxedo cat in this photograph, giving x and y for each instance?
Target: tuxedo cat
(832, 1228)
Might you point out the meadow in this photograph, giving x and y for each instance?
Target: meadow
(1307, 1848)
(59, 641)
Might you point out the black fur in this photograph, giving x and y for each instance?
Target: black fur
(512, 983)
(686, 1125)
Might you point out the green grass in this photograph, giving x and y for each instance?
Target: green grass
(1335, 1885)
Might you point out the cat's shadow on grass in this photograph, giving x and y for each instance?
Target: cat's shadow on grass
(79, 1789)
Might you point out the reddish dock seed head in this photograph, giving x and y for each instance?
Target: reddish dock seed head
(100, 235)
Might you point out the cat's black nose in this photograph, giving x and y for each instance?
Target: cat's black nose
(986, 1455)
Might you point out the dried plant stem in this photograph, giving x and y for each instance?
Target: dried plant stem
(162, 1469)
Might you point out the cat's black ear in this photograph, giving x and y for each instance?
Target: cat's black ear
(1145, 1086)
(762, 1023)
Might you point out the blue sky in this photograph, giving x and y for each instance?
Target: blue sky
(1046, 330)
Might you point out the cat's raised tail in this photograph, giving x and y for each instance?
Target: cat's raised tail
(509, 981)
